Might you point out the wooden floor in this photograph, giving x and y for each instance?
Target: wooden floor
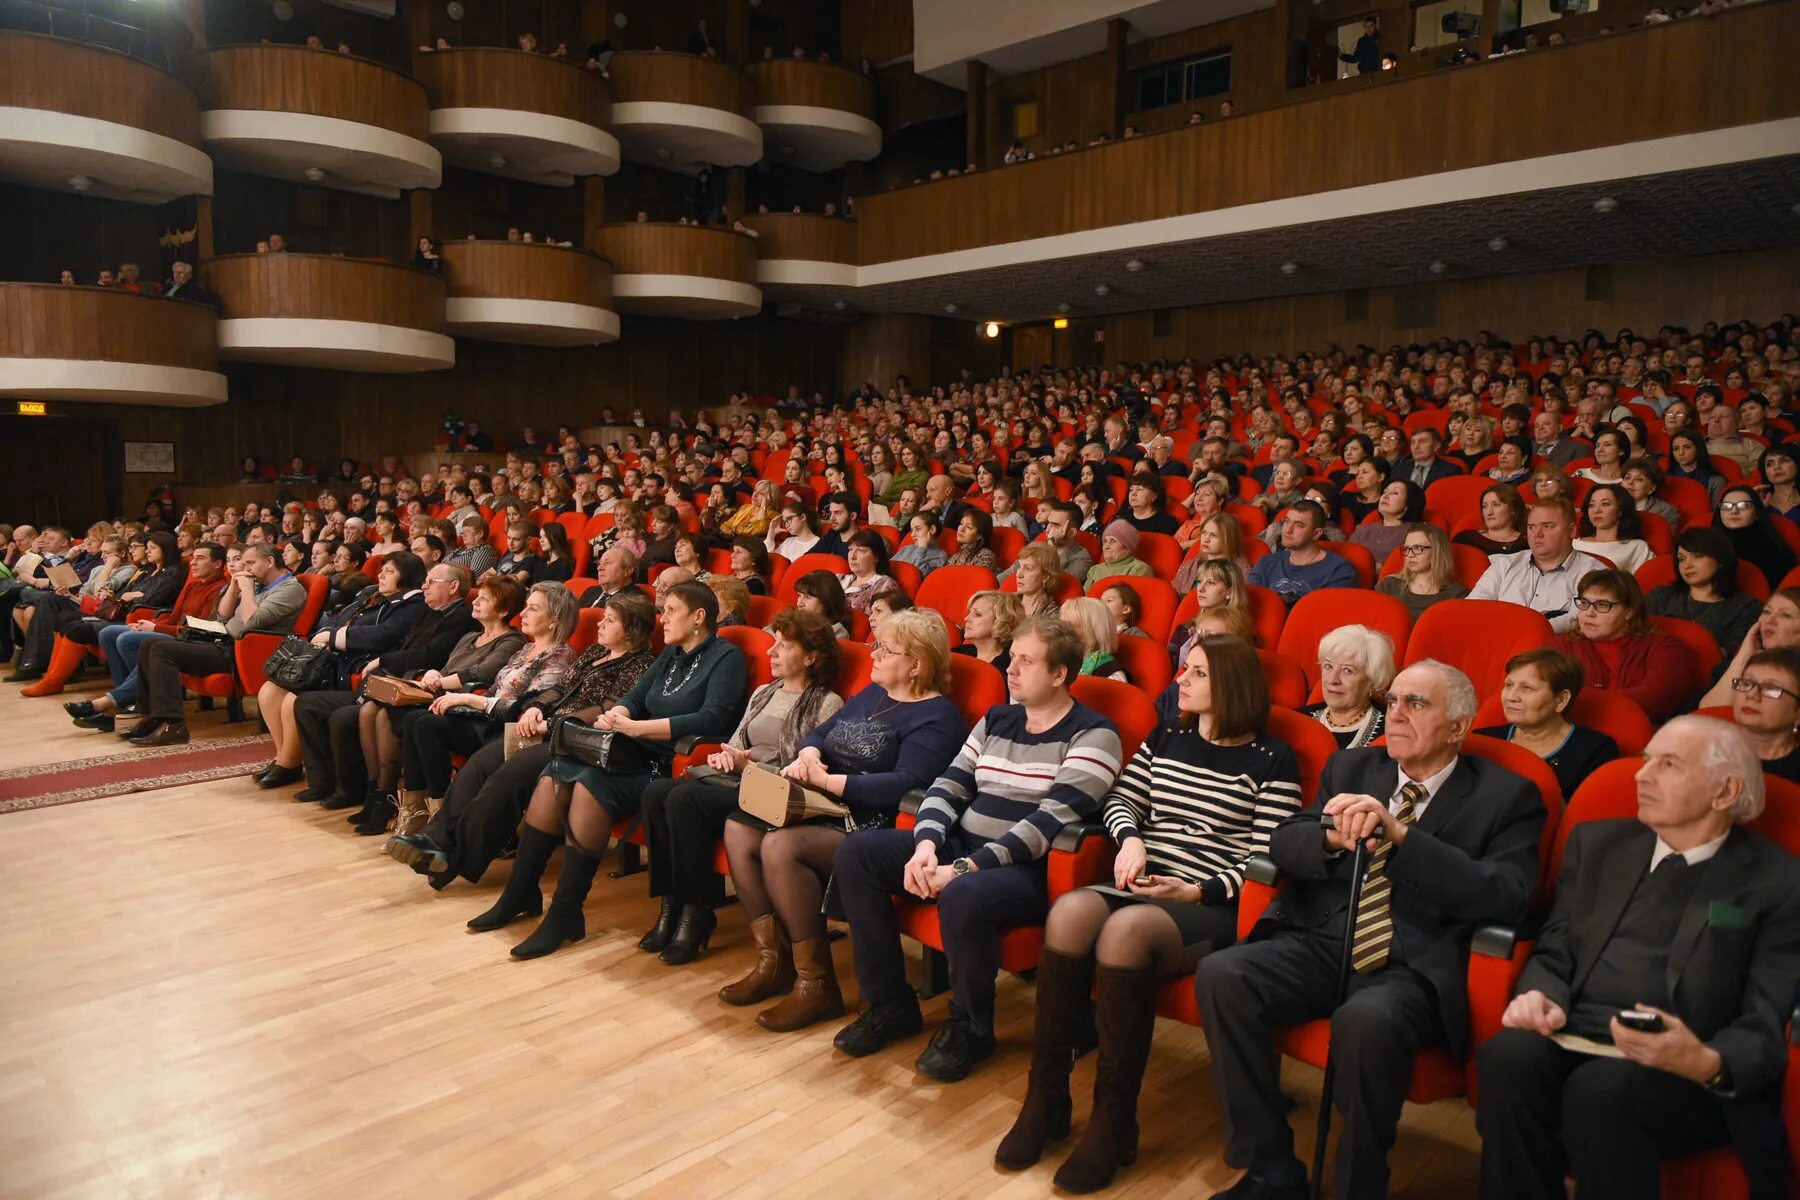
(215, 992)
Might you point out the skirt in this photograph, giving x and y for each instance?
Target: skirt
(1203, 927)
(619, 795)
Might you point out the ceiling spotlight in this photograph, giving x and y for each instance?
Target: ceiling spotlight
(453, 10)
(1063, 307)
(314, 174)
(621, 20)
(1438, 267)
(1497, 244)
(1100, 289)
(991, 329)
(80, 183)
(950, 308)
(839, 305)
(1290, 268)
(1134, 266)
(1606, 204)
(496, 162)
(283, 10)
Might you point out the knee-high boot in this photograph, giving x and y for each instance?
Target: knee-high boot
(521, 897)
(1125, 1010)
(1063, 986)
(564, 922)
(65, 659)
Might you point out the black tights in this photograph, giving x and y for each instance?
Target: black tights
(783, 871)
(1135, 937)
(571, 810)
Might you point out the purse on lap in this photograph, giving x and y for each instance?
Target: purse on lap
(780, 801)
(299, 666)
(396, 692)
(616, 753)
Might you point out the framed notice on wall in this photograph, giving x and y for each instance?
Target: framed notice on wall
(150, 458)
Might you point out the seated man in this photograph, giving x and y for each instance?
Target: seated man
(1547, 576)
(979, 848)
(1678, 913)
(1454, 846)
(1302, 565)
(615, 572)
(29, 584)
(262, 597)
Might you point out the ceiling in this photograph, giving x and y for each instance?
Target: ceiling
(1743, 206)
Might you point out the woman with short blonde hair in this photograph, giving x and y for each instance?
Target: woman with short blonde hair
(1099, 632)
(1037, 587)
(1356, 665)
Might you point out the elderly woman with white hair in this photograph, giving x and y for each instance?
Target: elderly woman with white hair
(1356, 664)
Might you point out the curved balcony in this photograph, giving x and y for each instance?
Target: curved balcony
(318, 310)
(89, 343)
(316, 116)
(525, 116)
(804, 250)
(682, 270)
(815, 116)
(543, 295)
(682, 112)
(75, 117)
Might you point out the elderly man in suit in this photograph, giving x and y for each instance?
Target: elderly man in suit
(1679, 913)
(1453, 845)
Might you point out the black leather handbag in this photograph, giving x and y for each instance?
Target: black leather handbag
(299, 666)
(615, 753)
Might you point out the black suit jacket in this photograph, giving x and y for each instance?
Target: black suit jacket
(1734, 967)
(1470, 860)
(429, 642)
(191, 291)
(1439, 469)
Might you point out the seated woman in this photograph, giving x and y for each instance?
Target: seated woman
(1689, 459)
(1747, 524)
(753, 518)
(1512, 461)
(695, 688)
(46, 646)
(1196, 801)
(1620, 651)
(750, 565)
(427, 737)
(1611, 529)
(1362, 494)
(1037, 574)
(1402, 506)
(1285, 482)
(820, 592)
(1550, 481)
(481, 813)
(988, 627)
(1356, 664)
(1705, 588)
(347, 578)
(1611, 450)
(734, 598)
(1642, 478)
(385, 534)
(1118, 554)
(895, 735)
(1765, 703)
(868, 559)
(1502, 528)
(1778, 628)
(1427, 571)
(1006, 509)
(1540, 686)
(557, 559)
(920, 547)
(884, 605)
(1127, 607)
(690, 555)
(376, 621)
(1099, 637)
(912, 474)
(685, 817)
(1207, 498)
(1144, 499)
(974, 541)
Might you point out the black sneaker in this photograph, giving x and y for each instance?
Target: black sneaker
(954, 1050)
(880, 1024)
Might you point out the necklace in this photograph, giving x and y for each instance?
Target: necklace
(670, 686)
(1347, 725)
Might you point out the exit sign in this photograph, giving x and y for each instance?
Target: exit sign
(33, 408)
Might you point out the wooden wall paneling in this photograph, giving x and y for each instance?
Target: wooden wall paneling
(63, 76)
(681, 79)
(46, 320)
(319, 82)
(904, 100)
(814, 84)
(48, 231)
(514, 270)
(490, 77)
(878, 30)
(380, 39)
(880, 347)
(805, 236)
(328, 287)
(652, 248)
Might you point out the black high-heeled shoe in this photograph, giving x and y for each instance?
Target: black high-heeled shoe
(664, 929)
(692, 932)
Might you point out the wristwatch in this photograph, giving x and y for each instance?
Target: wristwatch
(962, 866)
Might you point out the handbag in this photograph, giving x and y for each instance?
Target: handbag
(396, 692)
(111, 608)
(299, 666)
(616, 753)
(780, 801)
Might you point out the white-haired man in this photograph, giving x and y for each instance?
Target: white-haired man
(1453, 844)
(1683, 916)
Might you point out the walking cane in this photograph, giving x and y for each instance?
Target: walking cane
(1359, 865)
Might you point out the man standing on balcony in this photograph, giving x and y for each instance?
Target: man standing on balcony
(1367, 54)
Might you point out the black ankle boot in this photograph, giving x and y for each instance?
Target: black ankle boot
(664, 929)
(692, 933)
(564, 922)
(521, 897)
(342, 800)
(376, 814)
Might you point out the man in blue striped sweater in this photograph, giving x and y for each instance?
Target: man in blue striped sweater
(1028, 769)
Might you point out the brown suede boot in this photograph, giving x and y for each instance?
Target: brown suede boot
(1063, 985)
(1125, 1010)
(816, 995)
(773, 972)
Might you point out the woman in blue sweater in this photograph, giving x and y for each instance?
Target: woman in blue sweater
(897, 734)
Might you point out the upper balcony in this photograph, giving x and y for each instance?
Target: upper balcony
(90, 343)
(816, 116)
(682, 270)
(519, 292)
(803, 250)
(76, 117)
(316, 116)
(319, 310)
(526, 116)
(682, 112)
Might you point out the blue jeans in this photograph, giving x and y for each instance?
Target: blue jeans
(121, 645)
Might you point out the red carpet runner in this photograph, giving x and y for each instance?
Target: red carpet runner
(134, 771)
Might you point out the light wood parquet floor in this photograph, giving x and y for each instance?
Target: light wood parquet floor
(215, 992)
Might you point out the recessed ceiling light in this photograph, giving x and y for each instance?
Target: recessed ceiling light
(621, 20)
(283, 10)
(453, 10)
(80, 183)
(950, 308)
(1497, 244)
(1606, 204)
(839, 305)
(1063, 307)
(1290, 268)
(314, 174)
(496, 162)
(991, 329)
(1438, 267)
(1100, 289)
(1134, 266)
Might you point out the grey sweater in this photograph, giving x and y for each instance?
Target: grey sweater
(277, 608)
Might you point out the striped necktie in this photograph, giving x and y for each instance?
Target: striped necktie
(1374, 938)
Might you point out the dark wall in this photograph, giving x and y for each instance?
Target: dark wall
(316, 220)
(47, 231)
(241, 22)
(487, 205)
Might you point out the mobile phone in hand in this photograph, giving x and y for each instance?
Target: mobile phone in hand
(1643, 1022)
(1142, 881)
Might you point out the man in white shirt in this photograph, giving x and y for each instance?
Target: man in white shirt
(1547, 577)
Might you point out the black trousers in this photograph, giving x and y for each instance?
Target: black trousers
(10, 590)
(682, 822)
(430, 739)
(53, 613)
(162, 663)
(1623, 1121)
(83, 632)
(331, 742)
(972, 914)
(1249, 990)
(485, 804)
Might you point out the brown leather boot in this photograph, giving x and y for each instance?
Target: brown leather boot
(773, 972)
(1064, 983)
(816, 995)
(413, 815)
(1125, 1010)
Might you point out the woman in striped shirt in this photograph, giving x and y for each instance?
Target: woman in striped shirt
(1200, 796)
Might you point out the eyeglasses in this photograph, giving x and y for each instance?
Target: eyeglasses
(881, 650)
(1425, 549)
(1768, 691)
(1600, 606)
(1737, 506)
